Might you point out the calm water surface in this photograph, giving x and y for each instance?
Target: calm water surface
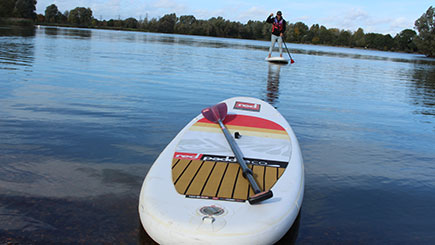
(84, 113)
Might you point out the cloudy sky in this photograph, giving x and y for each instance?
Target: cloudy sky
(381, 16)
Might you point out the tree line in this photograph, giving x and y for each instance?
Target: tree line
(406, 41)
(18, 9)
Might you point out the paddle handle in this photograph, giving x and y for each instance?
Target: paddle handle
(247, 172)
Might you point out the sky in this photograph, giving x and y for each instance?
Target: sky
(379, 16)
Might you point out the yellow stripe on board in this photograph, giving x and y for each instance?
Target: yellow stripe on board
(277, 134)
(235, 127)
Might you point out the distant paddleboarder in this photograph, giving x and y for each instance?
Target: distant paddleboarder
(278, 29)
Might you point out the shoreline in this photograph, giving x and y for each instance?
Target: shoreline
(27, 23)
(139, 30)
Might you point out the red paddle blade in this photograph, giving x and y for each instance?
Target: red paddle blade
(216, 112)
(292, 61)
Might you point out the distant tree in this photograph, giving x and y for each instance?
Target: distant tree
(40, 18)
(325, 36)
(7, 8)
(110, 23)
(25, 9)
(299, 32)
(404, 41)
(167, 23)
(61, 18)
(313, 35)
(426, 36)
(184, 24)
(80, 16)
(344, 38)
(387, 42)
(358, 38)
(379, 41)
(51, 13)
(131, 23)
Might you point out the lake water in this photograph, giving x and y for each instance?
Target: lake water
(84, 113)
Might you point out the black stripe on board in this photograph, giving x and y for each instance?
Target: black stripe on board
(235, 182)
(220, 183)
(197, 171)
(176, 163)
(182, 172)
(264, 179)
(208, 177)
(249, 186)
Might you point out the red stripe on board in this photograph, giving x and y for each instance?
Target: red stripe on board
(248, 121)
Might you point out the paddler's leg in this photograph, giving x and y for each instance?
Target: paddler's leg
(280, 45)
(272, 44)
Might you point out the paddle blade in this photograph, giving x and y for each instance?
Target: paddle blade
(292, 61)
(259, 197)
(216, 112)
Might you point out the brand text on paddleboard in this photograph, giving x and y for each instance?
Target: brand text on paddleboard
(247, 106)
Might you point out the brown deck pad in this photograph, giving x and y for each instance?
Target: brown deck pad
(220, 180)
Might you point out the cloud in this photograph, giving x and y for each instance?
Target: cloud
(354, 18)
(207, 14)
(170, 5)
(254, 12)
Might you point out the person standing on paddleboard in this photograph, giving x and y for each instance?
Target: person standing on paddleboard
(278, 29)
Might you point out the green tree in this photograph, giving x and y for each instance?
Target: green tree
(300, 30)
(167, 23)
(359, 38)
(344, 38)
(51, 13)
(426, 32)
(80, 16)
(131, 23)
(325, 36)
(25, 9)
(7, 7)
(404, 41)
(313, 35)
(184, 25)
(256, 28)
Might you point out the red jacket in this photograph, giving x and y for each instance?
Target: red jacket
(278, 27)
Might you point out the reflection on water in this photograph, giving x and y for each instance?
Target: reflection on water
(84, 113)
(16, 55)
(52, 31)
(423, 90)
(272, 94)
(13, 31)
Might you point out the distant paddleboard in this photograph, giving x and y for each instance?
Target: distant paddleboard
(280, 60)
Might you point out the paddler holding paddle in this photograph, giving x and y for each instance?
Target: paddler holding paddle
(278, 29)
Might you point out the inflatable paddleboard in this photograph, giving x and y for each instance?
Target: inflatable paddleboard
(280, 60)
(195, 191)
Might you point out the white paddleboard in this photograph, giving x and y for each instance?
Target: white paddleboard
(195, 192)
(280, 60)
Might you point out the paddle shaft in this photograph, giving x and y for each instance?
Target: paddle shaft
(247, 173)
(287, 49)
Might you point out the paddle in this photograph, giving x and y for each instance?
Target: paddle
(217, 114)
(291, 59)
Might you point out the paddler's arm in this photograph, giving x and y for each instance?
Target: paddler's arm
(270, 18)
